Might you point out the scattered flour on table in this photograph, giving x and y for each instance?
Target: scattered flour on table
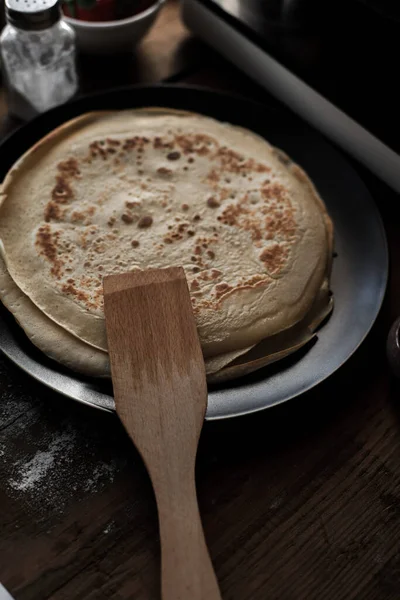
(109, 527)
(35, 469)
(47, 462)
(99, 473)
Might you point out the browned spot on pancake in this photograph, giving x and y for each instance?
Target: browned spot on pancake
(95, 149)
(112, 142)
(221, 289)
(52, 211)
(272, 191)
(256, 235)
(47, 243)
(283, 223)
(195, 269)
(77, 216)
(134, 142)
(212, 202)
(204, 276)
(213, 176)
(210, 254)
(132, 203)
(44, 240)
(233, 162)
(167, 240)
(73, 291)
(62, 191)
(194, 285)
(198, 250)
(134, 243)
(196, 218)
(69, 167)
(199, 143)
(224, 193)
(273, 257)
(111, 221)
(253, 165)
(163, 171)
(174, 156)
(215, 273)
(127, 218)
(145, 222)
(160, 143)
(191, 160)
(185, 207)
(277, 222)
(190, 232)
(100, 248)
(129, 144)
(254, 281)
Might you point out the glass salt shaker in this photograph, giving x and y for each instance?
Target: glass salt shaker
(38, 57)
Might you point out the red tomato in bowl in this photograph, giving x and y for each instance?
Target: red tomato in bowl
(100, 10)
(103, 11)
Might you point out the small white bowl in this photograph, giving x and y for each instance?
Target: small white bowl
(110, 37)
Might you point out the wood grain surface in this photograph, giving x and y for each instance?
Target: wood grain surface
(160, 393)
(301, 502)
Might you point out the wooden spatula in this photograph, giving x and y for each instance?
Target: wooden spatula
(161, 398)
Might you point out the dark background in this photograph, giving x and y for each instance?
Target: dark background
(301, 502)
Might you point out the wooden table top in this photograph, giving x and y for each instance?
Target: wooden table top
(300, 502)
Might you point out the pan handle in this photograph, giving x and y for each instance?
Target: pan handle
(393, 348)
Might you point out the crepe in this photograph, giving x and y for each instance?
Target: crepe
(61, 346)
(110, 192)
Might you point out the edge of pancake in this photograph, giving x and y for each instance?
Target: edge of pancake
(59, 345)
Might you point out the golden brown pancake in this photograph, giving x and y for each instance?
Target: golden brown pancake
(110, 192)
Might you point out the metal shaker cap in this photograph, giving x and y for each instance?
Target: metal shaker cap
(32, 15)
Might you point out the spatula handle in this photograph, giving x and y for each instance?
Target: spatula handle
(186, 569)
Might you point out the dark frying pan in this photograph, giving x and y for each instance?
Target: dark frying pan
(359, 273)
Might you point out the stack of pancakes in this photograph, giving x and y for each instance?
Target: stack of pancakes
(110, 192)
